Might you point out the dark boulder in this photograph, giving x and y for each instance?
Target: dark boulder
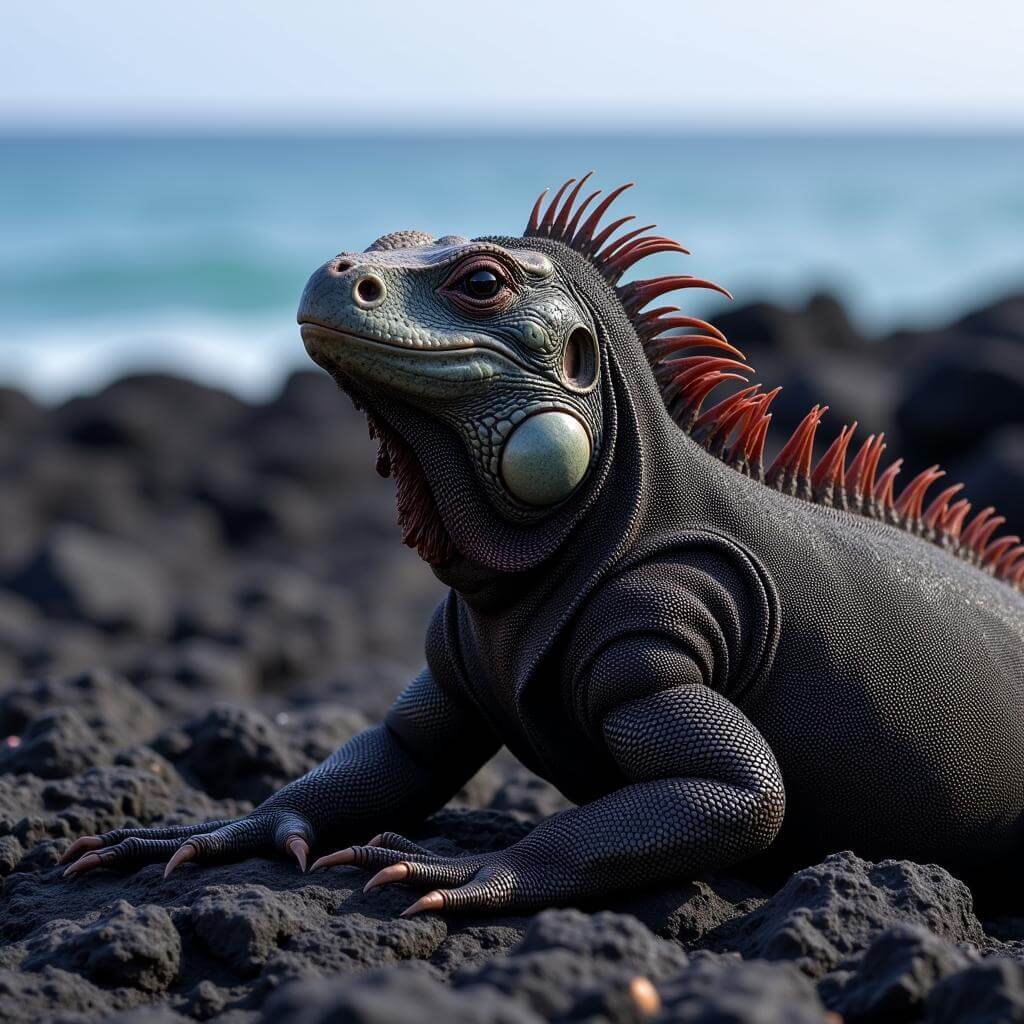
(528, 795)
(608, 937)
(573, 966)
(965, 392)
(81, 575)
(243, 925)
(147, 412)
(727, 990)
(16, 408)
(390, 996)
(231, 752)
(55, 745)
(993, 474)
(991, 992)
(1002, 319)
(114, 709)
(138, 947)
(209, 671)
(893, 979)
(834, 909)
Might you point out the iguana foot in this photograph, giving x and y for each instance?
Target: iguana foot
(228, 839)
(491, 881)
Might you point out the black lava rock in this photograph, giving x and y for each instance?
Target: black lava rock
(574, 966)
(825, 913)
(894, 977)
(995, 469)
(396, 996)
(242, 925)
(56, 744)
(616, 939)
(1002, 319)
(81, 575)
(144, 413)
(991, 992)
(138, 947)
(114, 709)
(960, 396)
(728, 990)
(232, 752)
(530, 796)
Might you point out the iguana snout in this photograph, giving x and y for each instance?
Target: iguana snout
(359, 318)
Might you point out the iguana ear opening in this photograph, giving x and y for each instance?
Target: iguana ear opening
(580, 360)
(545, 458)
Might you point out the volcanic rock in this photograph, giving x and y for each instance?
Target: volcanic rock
(828, 911)
(987, 993)
(81, 575)
(894, 977)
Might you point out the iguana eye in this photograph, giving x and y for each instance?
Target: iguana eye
(480, 287)
(482, 284)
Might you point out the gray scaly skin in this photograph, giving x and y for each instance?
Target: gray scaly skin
(706, 666)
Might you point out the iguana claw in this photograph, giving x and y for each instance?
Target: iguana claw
(83, 844)
(83, 864)
(394, 873)
(432, 901)
(338, 858)
(184, 853)
(468, 880)
(299, 849)
(254, 835)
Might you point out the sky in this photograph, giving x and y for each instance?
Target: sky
(513, 65)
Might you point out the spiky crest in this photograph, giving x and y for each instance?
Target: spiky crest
(736, 427)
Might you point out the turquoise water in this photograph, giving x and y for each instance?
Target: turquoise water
(190, 253)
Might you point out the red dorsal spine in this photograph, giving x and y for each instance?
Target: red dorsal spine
(690, 359)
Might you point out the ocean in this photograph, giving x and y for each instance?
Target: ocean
(188, 254)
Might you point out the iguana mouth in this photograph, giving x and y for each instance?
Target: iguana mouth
(431, 359)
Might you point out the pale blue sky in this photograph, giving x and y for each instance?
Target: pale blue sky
(514, 63)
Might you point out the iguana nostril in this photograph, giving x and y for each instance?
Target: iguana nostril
(368, 291)
(339, 266)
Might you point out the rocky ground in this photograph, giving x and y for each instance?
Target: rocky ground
(200, 598)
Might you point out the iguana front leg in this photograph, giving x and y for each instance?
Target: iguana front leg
(408, 767)
(702, 790)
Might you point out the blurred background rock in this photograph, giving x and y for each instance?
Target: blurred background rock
(204, 546)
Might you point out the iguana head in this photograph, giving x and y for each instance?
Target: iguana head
(492, 341)
(485, 368)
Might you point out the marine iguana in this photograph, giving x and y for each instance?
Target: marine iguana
(709, 655)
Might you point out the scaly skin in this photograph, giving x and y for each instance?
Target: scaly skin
(706, 666)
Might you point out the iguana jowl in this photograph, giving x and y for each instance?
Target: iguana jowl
(707, 655)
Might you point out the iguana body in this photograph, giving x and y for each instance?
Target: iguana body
(709, 657)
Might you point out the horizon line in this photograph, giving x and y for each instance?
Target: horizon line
(459, 128)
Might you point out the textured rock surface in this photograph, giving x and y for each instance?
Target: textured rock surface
(828, 911)
(133, 947)
(741, 991)
(195, 608)
(892, 979)
(987, 993)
